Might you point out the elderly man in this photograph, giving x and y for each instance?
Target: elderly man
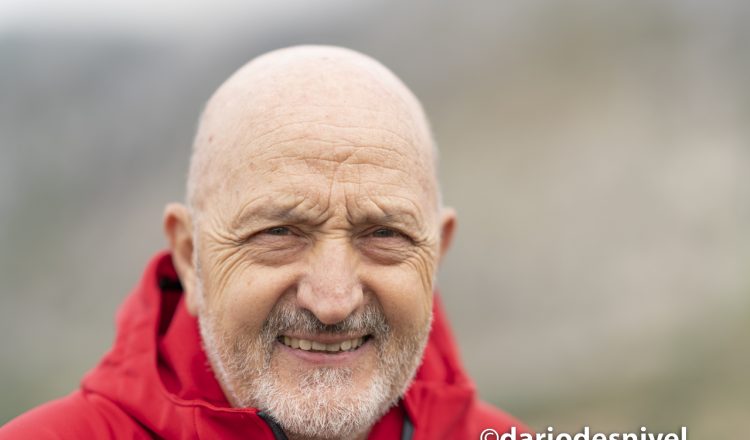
(297, 300)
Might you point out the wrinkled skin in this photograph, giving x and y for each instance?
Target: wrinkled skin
(312, 189)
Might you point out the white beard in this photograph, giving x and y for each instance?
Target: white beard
(321, 403)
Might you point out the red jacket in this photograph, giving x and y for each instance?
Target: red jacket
(156, 383)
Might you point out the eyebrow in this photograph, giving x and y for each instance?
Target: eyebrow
(396, 218)
(389, 210)
(272, 211)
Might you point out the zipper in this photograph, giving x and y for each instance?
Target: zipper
(407, 431)
(278, 433)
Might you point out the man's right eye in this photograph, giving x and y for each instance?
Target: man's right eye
(278, 230)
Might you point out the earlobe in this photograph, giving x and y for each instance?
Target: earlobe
(447, 230)
(178, 229)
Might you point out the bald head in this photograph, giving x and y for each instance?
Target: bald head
(316, 97)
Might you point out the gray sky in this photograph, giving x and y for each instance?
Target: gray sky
(163, 18)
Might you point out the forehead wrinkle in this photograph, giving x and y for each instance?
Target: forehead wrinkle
(391, 139)
(312, 140)
(345, 165)
(300, 155)
(369, 139)
(393, 122)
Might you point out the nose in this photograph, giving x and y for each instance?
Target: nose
(331, 288)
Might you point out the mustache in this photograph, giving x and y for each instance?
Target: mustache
(286, 318)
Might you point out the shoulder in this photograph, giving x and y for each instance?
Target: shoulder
(75, 416)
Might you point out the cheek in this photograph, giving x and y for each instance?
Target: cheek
(400, 290)
(247, 294)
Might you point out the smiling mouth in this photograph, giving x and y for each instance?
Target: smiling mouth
(315, 346)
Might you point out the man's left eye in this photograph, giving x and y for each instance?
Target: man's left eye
(386, 233)
(278, 230)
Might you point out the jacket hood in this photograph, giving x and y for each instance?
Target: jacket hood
(158, 373)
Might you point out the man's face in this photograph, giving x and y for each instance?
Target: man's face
(315, 262)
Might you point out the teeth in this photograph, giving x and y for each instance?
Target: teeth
(307, 345)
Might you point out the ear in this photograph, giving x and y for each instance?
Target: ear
(447, 229)
(178, 228)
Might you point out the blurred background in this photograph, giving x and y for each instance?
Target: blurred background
(597, 154)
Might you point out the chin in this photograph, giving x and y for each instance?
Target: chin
(315, 394)
(325, 402)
